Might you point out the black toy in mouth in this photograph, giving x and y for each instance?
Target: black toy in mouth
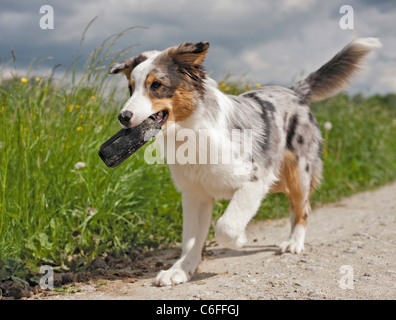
(127, 141)
(161, 116)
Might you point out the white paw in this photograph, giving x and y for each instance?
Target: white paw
(229, 236)
(292, 246)
(295, 243)
(172, 277)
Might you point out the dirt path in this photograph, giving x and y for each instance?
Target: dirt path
(358, 232)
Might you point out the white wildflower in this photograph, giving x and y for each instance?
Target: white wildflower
(328, 126)
(91, 212)
(79, 165)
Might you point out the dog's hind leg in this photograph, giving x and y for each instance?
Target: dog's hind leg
(296, 181)
(197, 213)
(230, 228)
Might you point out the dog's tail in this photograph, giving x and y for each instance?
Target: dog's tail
(335, 75)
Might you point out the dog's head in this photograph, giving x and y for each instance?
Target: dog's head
(164, 84)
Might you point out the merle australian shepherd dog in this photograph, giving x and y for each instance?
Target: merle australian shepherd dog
(285, 152)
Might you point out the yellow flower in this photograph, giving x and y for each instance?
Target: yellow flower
(46, 89)
(71, 108)
(249, 88)
(222, 84)
(79, 128)
(38, 79)
(2, 108)
(38, 138)
(26, 129)
(78, 106)
(24, 80)
(257, 85)
(81, 116)
(93, 97)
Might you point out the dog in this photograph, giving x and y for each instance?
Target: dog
(172, 87)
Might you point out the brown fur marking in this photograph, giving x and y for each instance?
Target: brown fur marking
(180, 105)
(150, 79)
(189, 54)
(290, 184)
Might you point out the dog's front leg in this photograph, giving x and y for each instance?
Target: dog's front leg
(230, 228)
(197, 212)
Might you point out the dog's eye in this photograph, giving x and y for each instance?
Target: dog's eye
(130, 90)
(156, 85)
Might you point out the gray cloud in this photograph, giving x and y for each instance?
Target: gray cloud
(266, 41)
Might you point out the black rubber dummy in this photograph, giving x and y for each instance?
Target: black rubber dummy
(127, 141)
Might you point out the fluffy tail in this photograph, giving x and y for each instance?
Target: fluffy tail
(336, 74)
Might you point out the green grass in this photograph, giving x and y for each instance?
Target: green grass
(50, 210)
(54, 213)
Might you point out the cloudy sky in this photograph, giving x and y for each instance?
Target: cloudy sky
(257, 41)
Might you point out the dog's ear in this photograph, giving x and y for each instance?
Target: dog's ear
(189, 54)
(127, 66)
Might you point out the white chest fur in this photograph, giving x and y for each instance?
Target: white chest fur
(215, 165)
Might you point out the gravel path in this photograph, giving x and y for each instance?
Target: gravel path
(350, 253)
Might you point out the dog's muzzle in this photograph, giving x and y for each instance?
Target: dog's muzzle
(125, 117)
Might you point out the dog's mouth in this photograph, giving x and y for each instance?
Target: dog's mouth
(161, 116)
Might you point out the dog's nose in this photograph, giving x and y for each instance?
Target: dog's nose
(125, 116)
